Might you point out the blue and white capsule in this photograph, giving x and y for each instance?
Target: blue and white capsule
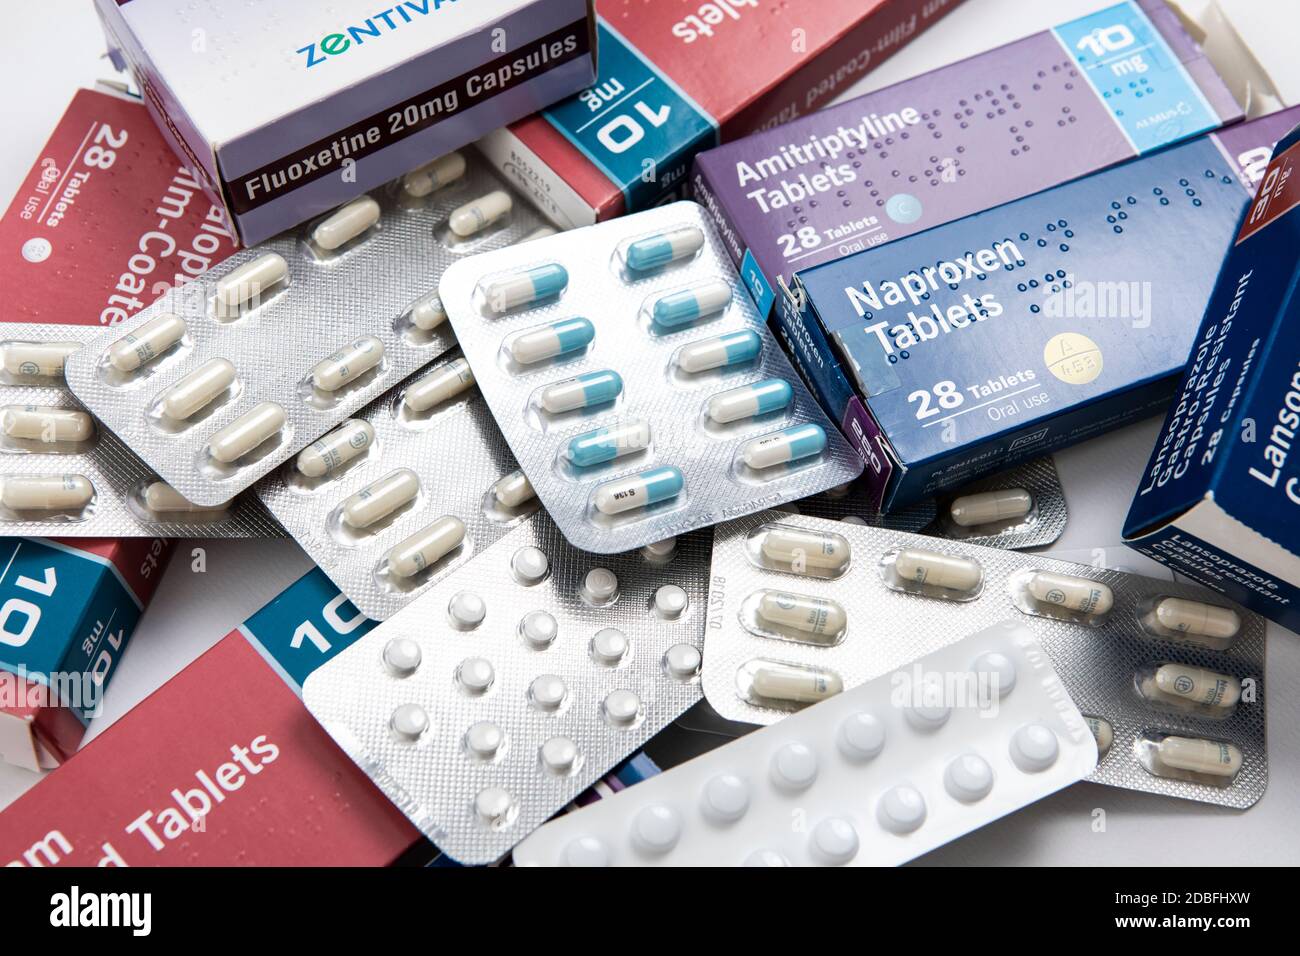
(769, 395)
(789, 444)
(584, 391)
(659, 250)
(606, 444)
(548, 341)
(638, 491)
(720, 351)
(689, 305)
(524, 288)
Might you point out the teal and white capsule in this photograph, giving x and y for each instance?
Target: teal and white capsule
(548, 341)
(638, 491)
(720, 351)
(789, 444)
(606, 444)
(688, 305)
(525, 288)
(584, 391)
(659, 250)
(769, 395)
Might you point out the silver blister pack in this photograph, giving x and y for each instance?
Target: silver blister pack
(224, 378)
(801, 608)
(63, 473)
(502, 692)
(1022, 507)
(637, 385)
(455, 455)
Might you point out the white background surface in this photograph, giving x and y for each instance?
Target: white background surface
(55, 47)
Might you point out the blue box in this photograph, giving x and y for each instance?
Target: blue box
(1003, 336)
(1220, 498)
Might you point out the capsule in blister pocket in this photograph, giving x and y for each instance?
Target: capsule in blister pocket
(733, 348)
(548, 341)
(786, 685)
(799, 551)
(1202, 760)
(605, 444)
(1184, 688)
(146, 343)
(37, 359)
(932, 573)
(1191, 622)
(750, 401)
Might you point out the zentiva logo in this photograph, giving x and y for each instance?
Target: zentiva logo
(376, 25)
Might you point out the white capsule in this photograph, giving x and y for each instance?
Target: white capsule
(428, 313)
(774, 680)
(513, 490)
(477, 214)
(38, 359)
(1102, 732)
(329, 454)
(1197, 685)
(990, 506)
(427, 546)
(1197, 755)
(1196, 618)
(198, 389)
(937, 570)
(440, 385)
(801, 612)
(246, 433)
(434, 175)
(344, 225)
(541, 232)
(381, 498)
(46, 492)
(1071, 593)
(806, 549)
(347, 364)
(162, 498)
(45, 424)
(246, 284)
(146, 343)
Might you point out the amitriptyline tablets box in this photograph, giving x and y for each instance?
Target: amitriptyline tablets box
(1016, 331)
(1220, 498)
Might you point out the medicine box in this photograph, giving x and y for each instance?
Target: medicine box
(678, 77)
(285, 109)
(1017, 331)
(1220, 498)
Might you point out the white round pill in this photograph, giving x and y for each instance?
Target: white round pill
(547, 692)
(609, 647)
(466, 610)
(600, 586)
(656, 828)
(409, 721)
(484, 739)
(927, 710)
(621, 707)
(861, 736)
(670, 602)
(475, 675)
(559, 755)
(682, 661)
(834, 841)
(901, 809)
(538, 629)
(402, 656)
(1034, 748)
(660, 551)
(794, 767)
(494, 806)
(996, 667)
(529, 566)
(968, 778)
(586, 851)
(725, 798)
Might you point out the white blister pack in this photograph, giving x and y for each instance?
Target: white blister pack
(224, 378)
(63, 473)
(501, 693)
(892, 769)
(637, 385)
(801, 608)
(410, 488)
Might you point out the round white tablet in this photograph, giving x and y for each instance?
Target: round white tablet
(794, 767)
(484, 739)
(725, 798)
(682, 661)
(409, 721)
(609, 646)
(547, 692)
(968, 778)
(861, 736)
(475, 675)
(670, 602)
(402, 656)
(538, 629)
(901, 809)
(529, 566)
(621, 707)
(600, 586)
(834, 841)
(1034, 748)
(559, 755)
(466, 610)
(656, 828)
(998, 667)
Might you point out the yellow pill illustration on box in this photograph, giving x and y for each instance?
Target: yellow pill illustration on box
(1073, 358)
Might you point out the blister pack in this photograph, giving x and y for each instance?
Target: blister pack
(226, 377)
(894, 768)
(801, 608)
(400, 495)
(63, 473)
(637, 385)
(502, 692)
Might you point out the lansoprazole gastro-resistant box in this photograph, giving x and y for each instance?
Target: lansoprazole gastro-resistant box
(998, 126)
(1220, 498)
(287, 108)
(678, 76)
(1008, 334)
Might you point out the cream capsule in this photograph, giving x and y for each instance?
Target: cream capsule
(246, 433)
(146, 343)
(426, 547)
(46, 492)
(38, 359)
(989, 506)
(198, 389)
(381, 498)
(1102, 731)
(477, 214)
(937, 570)
(246, 284)
(347, 364)
(346, 223)
(784, 610)
(1195, 618)
(162, 498)
(1196, 755)
(432, 176)
(45, 424)
(1071, 593)
(796, 548)
(1195, 685)
(513, 490)
(541, 232)
(775, 680)
(427, 313)
(438, 386)
(332, 452)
